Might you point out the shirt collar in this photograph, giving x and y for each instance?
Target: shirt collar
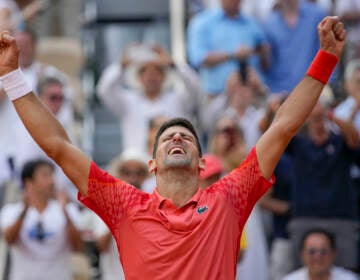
(223, 15)
(160, 200)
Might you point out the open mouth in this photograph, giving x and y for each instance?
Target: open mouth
(176, 151)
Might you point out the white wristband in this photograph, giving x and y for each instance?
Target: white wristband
(15, 85)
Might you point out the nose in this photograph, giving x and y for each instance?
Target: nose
(177, 137)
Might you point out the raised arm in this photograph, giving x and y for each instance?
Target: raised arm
(41, 124)
(299, 104)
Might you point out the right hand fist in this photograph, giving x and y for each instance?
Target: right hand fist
(332, 35)
(9, 53)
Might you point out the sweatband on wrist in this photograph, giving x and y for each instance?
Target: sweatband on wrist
(322, 66)
(15, 85)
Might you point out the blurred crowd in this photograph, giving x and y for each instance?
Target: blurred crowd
(243, 59)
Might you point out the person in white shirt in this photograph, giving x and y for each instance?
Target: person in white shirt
(147, 84)
(318, 252)
(41, 231)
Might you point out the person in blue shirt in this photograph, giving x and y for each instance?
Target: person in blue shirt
(219, 40)
(292, 35)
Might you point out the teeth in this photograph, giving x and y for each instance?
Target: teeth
(176, 150)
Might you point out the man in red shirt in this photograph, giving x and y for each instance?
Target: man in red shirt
(179, 231)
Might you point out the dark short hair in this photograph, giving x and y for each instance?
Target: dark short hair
(329, 235)
(31, 166)
(177, 122)
(30, 31)
(46, 81)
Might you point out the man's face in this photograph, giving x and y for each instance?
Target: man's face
(240, 95)
(42, 184)
(133, 172)
(53, 97)
(317, 254)
(26, 47)
(177, 148)
(231, 7)
(152, 78)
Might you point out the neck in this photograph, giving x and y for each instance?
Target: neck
(319, 276)
(39, 204)
(177, 186)
(290, 13)
(152, 94)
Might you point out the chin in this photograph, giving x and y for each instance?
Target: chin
(177, 162)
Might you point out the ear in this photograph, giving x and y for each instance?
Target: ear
(152, 166)
(201, 164)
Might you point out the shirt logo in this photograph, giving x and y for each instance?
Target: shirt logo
(202, 209)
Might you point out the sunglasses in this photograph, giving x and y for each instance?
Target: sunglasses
(56, 98)
(226, 130)
(314, 251)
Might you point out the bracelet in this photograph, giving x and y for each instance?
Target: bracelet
(15, 85)
(322, 66)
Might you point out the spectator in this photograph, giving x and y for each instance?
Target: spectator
(238, 103)
(218, 39)
(40, 230)
(292, 25)
(213, 171)
(141, 88)
(318, 250)
(349, 12)
(322, 159)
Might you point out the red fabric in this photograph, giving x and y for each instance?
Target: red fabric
(158, 240)
(322, 66)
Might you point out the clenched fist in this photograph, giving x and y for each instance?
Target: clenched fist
(9, 53)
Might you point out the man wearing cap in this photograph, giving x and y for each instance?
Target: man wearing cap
(144, 86)
(179, 231)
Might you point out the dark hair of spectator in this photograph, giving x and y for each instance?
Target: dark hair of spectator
(46, 81)
(31, 166)
(176, 122)
(28, 30)
(330, 236)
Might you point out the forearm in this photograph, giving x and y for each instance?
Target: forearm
(44, 128)
(103, 242)
(296, 108)
(215, 58)
(276, 206)
(349, 131)
(11, 234)
(74, 235)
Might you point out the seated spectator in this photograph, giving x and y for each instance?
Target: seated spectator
(318, 250)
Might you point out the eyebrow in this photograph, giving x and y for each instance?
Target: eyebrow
(182, 134)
